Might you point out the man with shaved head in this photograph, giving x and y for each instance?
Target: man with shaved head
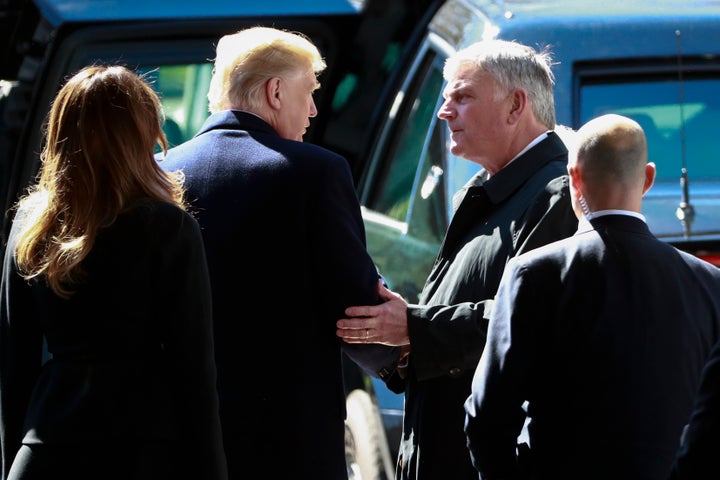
(601, 336)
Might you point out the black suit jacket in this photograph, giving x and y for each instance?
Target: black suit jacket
(132, 369)
(286, 251)
(698, 456)
(605, 335)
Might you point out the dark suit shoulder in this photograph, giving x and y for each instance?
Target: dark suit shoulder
(230, 147)
(700, 265)
(308, 152)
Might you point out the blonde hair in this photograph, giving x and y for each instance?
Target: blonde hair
(101, 133)
(247, 59)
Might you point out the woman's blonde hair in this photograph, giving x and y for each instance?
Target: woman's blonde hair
(101, 133)
(245, 60)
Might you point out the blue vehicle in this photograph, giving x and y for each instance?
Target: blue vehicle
(657, 61)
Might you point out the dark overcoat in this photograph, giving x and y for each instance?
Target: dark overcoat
(524, 205)
(130, 389)
(605, 335)
(286, 251)
(697, 456)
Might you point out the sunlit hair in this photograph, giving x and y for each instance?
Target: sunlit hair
(247, 59)
(512, 65)
(101, 133)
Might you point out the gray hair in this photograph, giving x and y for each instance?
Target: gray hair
(512, 65)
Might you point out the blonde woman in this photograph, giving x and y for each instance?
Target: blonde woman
(106, 266)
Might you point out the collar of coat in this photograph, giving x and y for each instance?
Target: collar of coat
(502, 185)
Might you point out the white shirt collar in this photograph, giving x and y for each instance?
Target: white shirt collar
(602, 213)
(537, 140)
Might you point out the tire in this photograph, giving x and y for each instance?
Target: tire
(366, 446)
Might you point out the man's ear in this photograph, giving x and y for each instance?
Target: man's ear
(272, 92)
(518, 98)
(650, 172)
(575, 178)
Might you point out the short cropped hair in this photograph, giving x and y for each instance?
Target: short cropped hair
(612, 149)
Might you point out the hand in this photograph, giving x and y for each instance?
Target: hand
(385, 323)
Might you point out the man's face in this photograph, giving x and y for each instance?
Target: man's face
(476, 118)
(298, 105)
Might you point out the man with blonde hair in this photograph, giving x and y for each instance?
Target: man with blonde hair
(603, 334)
(280, 220)
(253, 67)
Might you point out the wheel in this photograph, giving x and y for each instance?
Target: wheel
(366, 446)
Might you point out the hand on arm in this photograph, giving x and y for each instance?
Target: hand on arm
(385, 324)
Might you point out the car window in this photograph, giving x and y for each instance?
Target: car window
(414, 171)
(671, 126)
(183, 93)
(679, 116)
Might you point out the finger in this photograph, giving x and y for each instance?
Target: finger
(386, 294)
(360, 311)
(353, 336)
(353, 323)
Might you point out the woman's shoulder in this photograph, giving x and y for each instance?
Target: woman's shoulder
(152, 207)
(158, 216)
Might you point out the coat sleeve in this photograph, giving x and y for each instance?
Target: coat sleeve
(349, 273)
(494, 413)
(189, 346)
(698, 453)
(20, 352)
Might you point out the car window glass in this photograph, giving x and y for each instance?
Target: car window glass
(672, 128)
(183, 93)
(427, 215)
(679, 120)
(402, 173)
(406, 221)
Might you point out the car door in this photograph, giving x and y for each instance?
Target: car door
(407, 189)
